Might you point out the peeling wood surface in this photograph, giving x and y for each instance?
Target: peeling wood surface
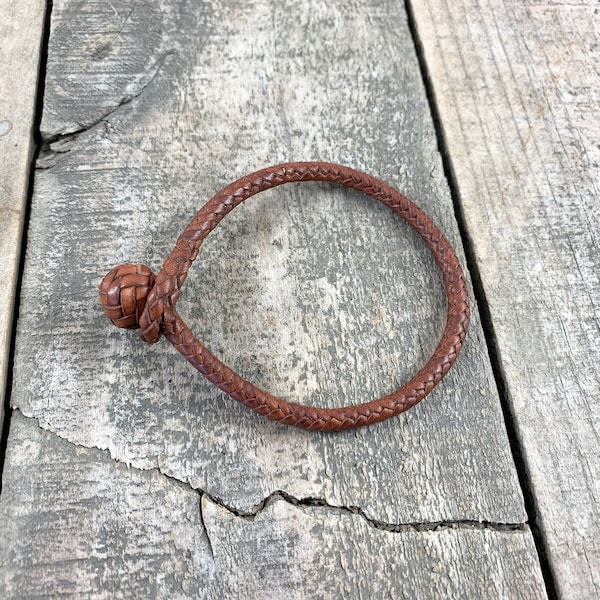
(20, 38)
(104, 531)
(313, 292)
(516, 85)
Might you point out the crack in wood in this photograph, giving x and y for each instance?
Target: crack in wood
(206, 532)
(312, 502)
(420, 526)
(61, 142)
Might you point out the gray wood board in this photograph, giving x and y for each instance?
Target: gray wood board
(76, 523)
(22, 25)
(314, 293)
(517, 87)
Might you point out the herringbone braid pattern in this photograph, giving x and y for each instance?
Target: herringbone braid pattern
(154, 306)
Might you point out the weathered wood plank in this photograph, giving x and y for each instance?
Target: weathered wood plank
(20, 37)
(76, 523)
(517, 86)
(314, 293)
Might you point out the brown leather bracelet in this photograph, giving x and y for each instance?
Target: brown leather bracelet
(133, 297)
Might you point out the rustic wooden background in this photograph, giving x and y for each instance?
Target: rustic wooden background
(127, 475)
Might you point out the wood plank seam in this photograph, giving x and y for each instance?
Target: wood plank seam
(12, 306)
(486, 319)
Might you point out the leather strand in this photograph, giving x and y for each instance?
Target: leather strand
(133, 297)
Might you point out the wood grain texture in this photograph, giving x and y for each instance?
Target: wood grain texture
(315, 293)
(20, 37)
(75, 523)
(517, 89)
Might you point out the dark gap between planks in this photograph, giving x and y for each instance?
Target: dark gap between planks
(37, 141)
(486, 318)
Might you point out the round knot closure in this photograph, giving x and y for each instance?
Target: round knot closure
(123, 294)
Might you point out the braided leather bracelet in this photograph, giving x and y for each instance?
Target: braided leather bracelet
(133, 297)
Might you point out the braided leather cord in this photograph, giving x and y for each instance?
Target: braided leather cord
(133, 297)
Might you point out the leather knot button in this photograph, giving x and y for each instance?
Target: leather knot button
(123, 294)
